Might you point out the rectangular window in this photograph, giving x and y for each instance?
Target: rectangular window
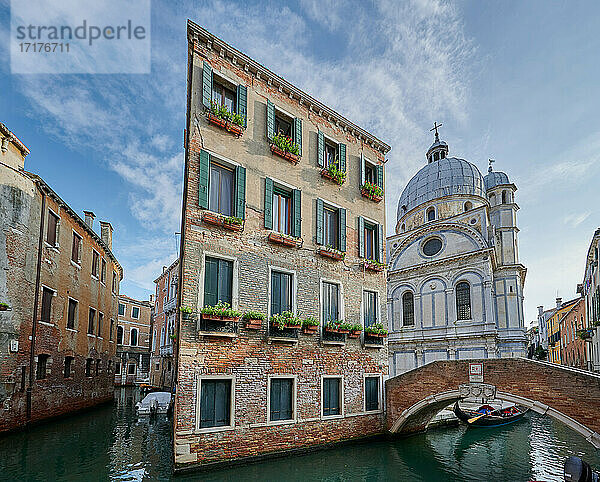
(131, 369)
(88, 367)
(222, 95)
(331, 396)
(68, 366)
(282, 212)
(52, 232)
(91, 321)
(135, 312)
(330, 154)
(370, 174)
(100, 320)
(370, 307)
(283, 124)
(331, 227)
(103, 271)
(371, 393)
(281, 292)
(331, 302)
(215, 403)
(95, 261)
(72, 314)
(76, 248)
(218, 281)
(41, 371)
(112, 330)
(221, 189)
(115, 283)
(117, 368)
(281, 399)
(370, 241)
(47, 295)
(121, 309)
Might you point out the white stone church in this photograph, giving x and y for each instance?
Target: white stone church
(455, 284)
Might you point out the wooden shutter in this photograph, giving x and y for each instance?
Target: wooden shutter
(342, 155)
(371, 393)
(380, 176)
(326, 396)
(320, 149)
(275, 399)
(206, 84)
(242, 96)
(298, 134)
(297, 207)
(240, 192)
(203, 174)
(222, 403)
(361, 237)
(362, 169)
(225, 281)
(275, 293)
(207, 404)
(46, 304)
(270, 120)
(319, 222)
(380, 245)
(268, 203)
(211, 274)
(342, 220)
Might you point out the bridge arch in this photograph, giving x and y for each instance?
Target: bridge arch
(571, 396)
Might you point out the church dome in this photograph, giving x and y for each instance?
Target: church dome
(495, 178)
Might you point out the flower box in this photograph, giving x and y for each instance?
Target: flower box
(208, 317)
(331, 253)
(288, 156)
(293, 326)
(284, 240)
(234, 129)
(310, 329)
(327, 175)
(222, 221)
(372, 196)
(377, 335)
(373, 265)
(253, 324)
(332, 330)
(354, 334)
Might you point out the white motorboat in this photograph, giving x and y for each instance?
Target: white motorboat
(154, 403)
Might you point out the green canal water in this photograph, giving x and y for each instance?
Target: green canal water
(109, 443)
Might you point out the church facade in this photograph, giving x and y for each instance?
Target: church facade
(455, 283)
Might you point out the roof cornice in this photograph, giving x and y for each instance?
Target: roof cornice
(6, 132)
(211, 42)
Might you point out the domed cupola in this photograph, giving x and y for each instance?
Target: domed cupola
(494, 178)
(439, 149)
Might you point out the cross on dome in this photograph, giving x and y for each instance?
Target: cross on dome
(435, 128)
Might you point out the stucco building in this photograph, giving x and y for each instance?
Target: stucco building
(555, 339)
(133, 341)
(455, 282)
(591, 291)
(59, 285)
(573, 346)
(280, 214)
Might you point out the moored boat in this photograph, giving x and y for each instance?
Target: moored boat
(488, 416)
(154, 403)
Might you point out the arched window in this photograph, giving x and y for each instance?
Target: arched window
(119, 335)
(463, 301)
(442, 154)
(431, 214)
(403, 228)
(503, 197)
(436, 156)
(493, 199)
(133, 340)
(468, 206)
(408, 309)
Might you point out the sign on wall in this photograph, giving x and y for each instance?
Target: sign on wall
(476, 372)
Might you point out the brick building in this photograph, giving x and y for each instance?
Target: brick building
(59, 284)
(555, 341)
(590, 289)
(266, 228)
(162, 366)
(572, 326)
(133, 341)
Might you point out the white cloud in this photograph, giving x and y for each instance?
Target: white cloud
(575, 219)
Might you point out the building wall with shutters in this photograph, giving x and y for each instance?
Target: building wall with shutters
(251, 357)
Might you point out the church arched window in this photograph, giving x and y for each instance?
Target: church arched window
(442, 154)
(436, 156)
(408, 309)
(431, 214)
(493, 199)
(468, 206)
(463, 301)
(503, 197)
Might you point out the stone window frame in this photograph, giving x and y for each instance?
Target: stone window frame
(138, 312)
(198, 385)
(379, 391)
(137, 336)
(294, 418)
(459, 281)
(97, 266)
(377, 305)
(103, 270)
(54, 295)
(334, 143)
(414, 324)
(77, 263)
(229, 164)
(285, 186)
(342, 307)
(294, 290)
(56, 246)
(235, 299)
(112, 332)
(435, 214)
(372, 165)
(76, 320)
(342, 394)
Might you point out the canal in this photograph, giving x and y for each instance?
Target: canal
(109, 443)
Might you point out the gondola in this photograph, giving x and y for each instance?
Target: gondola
(488, 416)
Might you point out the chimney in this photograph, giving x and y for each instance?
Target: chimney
(106, 232)
(89, 218)
(558, 302)
(151, 299)
(540, 310)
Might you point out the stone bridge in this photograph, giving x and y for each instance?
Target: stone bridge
(566, 394)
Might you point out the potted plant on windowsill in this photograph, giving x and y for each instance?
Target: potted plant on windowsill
(285, 239)
(285, 320)
(231, 223)
(220, 312)
(253, 320)
(376, 329)
(373, 265)
(333, 173)
(336, 326)
(186, 312)
(332, 253)
(355, 331)
(220, 116)
(285, 147)
(310, 325)
(372, 191)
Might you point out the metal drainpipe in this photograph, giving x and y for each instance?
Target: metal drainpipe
(35, 307)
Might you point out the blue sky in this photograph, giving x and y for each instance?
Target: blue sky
(514, 81)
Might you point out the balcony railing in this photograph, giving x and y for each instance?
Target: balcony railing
(166, 350)
(170, 305)
(217, 326)
(373, 340)
(291, 333)
(329, 336)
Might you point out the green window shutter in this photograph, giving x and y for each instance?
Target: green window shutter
(268, 203)
(380, 176)
(211, 270)
(203, 179)
(240, 192)
(297, 206)
(380, 240)
(361, 237)
(298, 134)
(270, 120)
(342, 154)
(320, 149)
(275, 293)
(206, 84)
(362, 169)
(342, 218)
(319, 222)
(242, 100)
(225, 281)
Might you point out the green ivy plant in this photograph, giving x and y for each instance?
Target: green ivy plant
(310, 321)
(185, 309)
(253, 315)
(222, 112)
(281, 320)
(372, 189)
(376, 329)
(233, 220)
(221, 309)
(286, 144)
(337, 175)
